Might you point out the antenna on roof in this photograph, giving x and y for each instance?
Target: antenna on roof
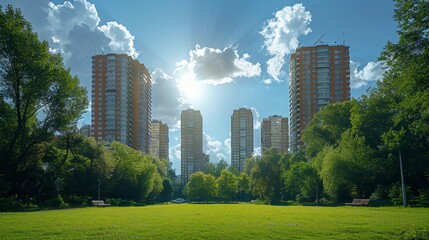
(318, 40)
(344, 38)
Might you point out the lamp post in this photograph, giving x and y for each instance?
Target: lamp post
(404, 194)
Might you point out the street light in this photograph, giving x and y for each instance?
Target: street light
(404, 195)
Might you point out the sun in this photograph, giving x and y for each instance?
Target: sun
(190, 89)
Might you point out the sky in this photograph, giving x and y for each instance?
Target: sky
(214, 56)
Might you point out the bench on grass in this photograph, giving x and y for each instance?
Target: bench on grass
(359, 202)
(99, 203)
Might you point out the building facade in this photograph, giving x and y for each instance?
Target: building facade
(241, 137)
(275, 133)
(158, 145)
(318, 75)
(121, 101)
(192, 156)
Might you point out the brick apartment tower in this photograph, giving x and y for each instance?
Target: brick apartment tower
(241, 137)
(158, 145)
(192, 157)
(318, 75)
(275, 133)
(121, 101)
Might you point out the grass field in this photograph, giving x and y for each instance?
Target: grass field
(214, 221)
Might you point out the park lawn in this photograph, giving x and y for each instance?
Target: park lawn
(214, 221)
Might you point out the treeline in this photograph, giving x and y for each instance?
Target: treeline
(44, 161)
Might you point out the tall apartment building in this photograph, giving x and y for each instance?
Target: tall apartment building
(318, 75)
(121, 101)
(158, 145)
(241, 137)
(275, 133)
(192, 156)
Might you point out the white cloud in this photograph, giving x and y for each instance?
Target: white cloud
(267, 81)
(174, 154)
(167, 101)
(281, 35)
(373, 71)
(121, 39)
(256, 122)
(215, 66)
(216, 149)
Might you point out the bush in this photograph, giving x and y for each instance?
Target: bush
(10, 204)
(77, 200)
(58, 202)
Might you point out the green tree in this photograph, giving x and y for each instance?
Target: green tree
(266, 177)
(349, 170)
(135, 177)
(326, 127)
(227, 185)
(215, 169)
(38, 98)
(201, 187)
(303, 179)
(243, 185)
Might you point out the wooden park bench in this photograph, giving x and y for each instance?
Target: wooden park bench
(359, 202)
(99, 203)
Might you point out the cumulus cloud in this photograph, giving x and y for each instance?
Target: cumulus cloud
(215, 66)
(72, 28)
(216, 149)
(121, 39)
(373, 71)
(174, 154)
(167, 101)
(281, 35)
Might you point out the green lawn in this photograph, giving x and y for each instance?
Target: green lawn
(214, 221)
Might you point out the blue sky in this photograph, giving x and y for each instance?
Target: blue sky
(214, 56)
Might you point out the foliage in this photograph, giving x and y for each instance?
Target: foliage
(215, 169)
(227, 185)
(201, 187)
(38, 97)
(302, 177)
(266, 177)
(135, 176)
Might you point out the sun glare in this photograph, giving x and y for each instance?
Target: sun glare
(190, 89)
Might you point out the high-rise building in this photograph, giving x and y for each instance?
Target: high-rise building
(121, 101)
(192, 156)
(275, 133)
(158, 145)
(318, 75)
(241, 137)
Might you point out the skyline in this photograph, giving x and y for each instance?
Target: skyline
(243, 36)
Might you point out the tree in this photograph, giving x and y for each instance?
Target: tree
(326, 127)
(42, 95)
(303, 179)
(167, 191)
(266, 177)
(215, 169)
(349, 170)
(201, 187)
(135, 177)
(243, 185)
(227, 185)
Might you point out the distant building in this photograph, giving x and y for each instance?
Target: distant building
(275, 133)
(241, 137)
(192, 157)
(121, 101)
(158, 146)
(318, 75)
